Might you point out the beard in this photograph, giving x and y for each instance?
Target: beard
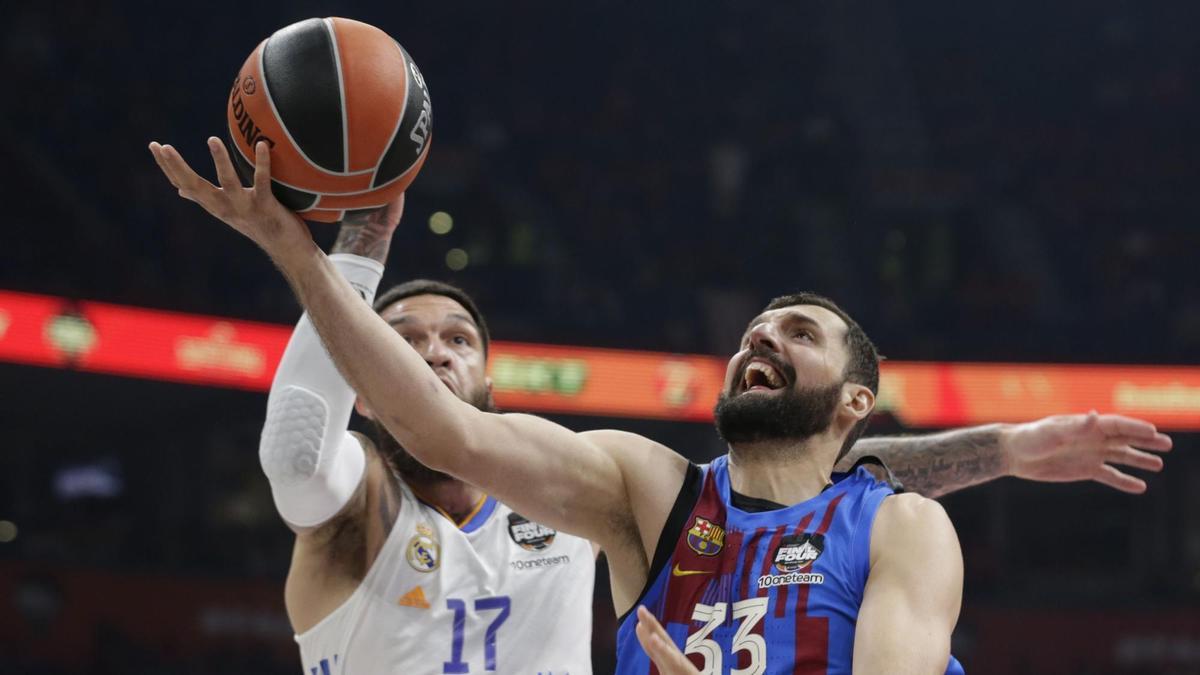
(404, 463)
(791, 415)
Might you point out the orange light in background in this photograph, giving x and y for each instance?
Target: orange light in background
(118, 340)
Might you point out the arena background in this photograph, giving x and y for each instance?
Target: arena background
(1006, 183)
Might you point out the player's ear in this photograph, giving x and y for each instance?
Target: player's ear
(858, 400)
(361, 407)
(487, 382)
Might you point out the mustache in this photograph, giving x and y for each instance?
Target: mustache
(761, 352)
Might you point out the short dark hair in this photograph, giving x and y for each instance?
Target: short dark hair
(415, 287)
(862, 366)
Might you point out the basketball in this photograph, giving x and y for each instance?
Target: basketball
(344, 110)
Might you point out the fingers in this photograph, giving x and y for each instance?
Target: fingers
(1135, 458)
(396, 209)
(659, 646)
(649, 625)
(262, 168)
(226, 175)
(156, 152)
(191, 185)
(1134, 432)
(1114, 478)
(1157, 443)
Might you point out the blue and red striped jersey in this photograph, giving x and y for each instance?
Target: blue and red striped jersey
(773, 591)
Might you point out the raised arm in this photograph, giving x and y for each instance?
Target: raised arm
(326, 484)
(573, 482)
(315, 466)
(913, 592)
(1057, 449)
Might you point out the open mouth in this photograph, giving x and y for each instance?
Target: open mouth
(762, 376)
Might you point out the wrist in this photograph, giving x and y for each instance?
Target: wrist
(291, 254)
(1006, 444)
(362, 272)
(366, 234)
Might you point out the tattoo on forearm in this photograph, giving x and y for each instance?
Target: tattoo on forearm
(365, 234)
(941, 463)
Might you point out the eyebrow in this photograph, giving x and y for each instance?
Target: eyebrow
(465, 319)
(793, 315)
(401, 320)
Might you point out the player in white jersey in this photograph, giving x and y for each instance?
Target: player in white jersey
(496, 594)
(400, 569)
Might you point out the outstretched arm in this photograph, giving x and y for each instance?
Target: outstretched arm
(573, 482)
(1057, 449)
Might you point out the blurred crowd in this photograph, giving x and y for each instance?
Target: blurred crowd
(969, 182)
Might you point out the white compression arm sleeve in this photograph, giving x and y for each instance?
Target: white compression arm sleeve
(313, 463)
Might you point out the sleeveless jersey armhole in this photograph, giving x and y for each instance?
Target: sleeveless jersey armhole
(880, 470)
(861, 538)
(689, 494)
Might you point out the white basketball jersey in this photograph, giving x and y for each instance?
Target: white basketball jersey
(501, 595)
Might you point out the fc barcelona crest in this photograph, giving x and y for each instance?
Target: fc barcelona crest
(705, 537)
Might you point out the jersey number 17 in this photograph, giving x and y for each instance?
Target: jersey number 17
(459, 607)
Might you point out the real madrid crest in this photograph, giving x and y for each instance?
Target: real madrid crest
(423, 552)
(706, 537)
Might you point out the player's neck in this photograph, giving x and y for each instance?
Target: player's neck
(454, 498)
(785, 472)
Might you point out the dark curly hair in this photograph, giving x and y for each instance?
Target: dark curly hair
(862, 367)
(430, 287)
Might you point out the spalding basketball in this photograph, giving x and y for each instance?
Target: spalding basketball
(345, 112)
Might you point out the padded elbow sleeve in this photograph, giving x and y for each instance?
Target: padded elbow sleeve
(311, 479)
(314, 465)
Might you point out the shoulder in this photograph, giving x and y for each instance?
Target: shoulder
(909, 523)
(910, 508)
(910, 514)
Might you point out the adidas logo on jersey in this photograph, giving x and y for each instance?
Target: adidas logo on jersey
(529, 535)
(414, 598)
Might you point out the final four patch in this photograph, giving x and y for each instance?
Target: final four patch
(529, 535)
(706, 538)
(796, 552)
